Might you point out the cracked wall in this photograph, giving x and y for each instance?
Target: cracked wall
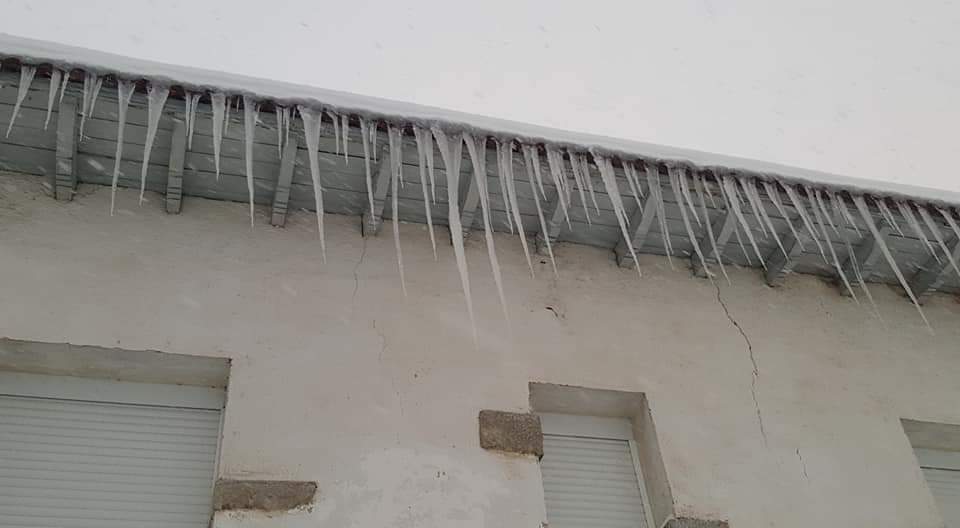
(338, 379)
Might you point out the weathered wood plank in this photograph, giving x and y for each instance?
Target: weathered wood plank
(65, 178)
(373, 220)
(282, 195)
(178, 150)
(641, 221)
(934, 274)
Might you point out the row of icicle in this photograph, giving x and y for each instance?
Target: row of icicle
(820, 211)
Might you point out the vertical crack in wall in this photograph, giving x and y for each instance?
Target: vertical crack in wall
(802, 464)
(356, 276)
(753, 362)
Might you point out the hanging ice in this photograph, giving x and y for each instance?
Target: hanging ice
(91, 89)
(26, 79)
(656, 193)
(218, 103)
(588, 179)
(365, 140)
(845, 211)
(951, 222)
(699, 185)
(804, 217)
(345, 128)
(852, 257)
(312, 121)
(124, 94)
(727, 200)
(63, 85)
(774, 195)
(428, 152)
(226, 117)
(501, 176)
(373, 139)
(532, 162)
(55, 76)
(907, 212)
(249, 126)
(633, 180)
(505, 155)
(451, 163)
(752, 201)
(733, 201)
(422, 137)
(395, 140)
(861, 204)
(819, 212)
(156, 98)
(887, 215)
(684, 188)
(477, 147)
(676, 175)
(555, 163)
(192, 101)
(609, 178)
(278, 114)
(938, 236)
(766, 217)
(336, 129)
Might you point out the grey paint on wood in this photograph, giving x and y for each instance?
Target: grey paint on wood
(553, 217)
(722, 228)
(282, 195)
(178, 151)
(867, 254)
(933, 274)
(65, 181)
(780, 265)
(641, 221)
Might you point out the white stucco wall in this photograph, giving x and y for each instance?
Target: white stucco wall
(337, 378)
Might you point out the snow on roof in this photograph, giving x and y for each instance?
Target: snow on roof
(38, 52)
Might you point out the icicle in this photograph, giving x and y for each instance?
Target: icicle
(675, 175)
(26, 79)
(192, 101)
(938, 236)
(249, 126)
(336, 132)
(451, 165)
(226, 118)
(887, 215)
(365, 140)
(156, 98)
(396, 165)
(778, 204)
(752, 189)
(609, 178)
(653, 185)
(422, 137)
(852, 257)
(861, 204)
(124, 94)
(287, 116)
(819, 212)
(55, 76)
(699, 185)
(345, 128)
(588, 178)
(428, 152)
(278, 115)
(91, 89)
(805, 218)
(311, 131)
(477, 149)
(63, 85)
(733, 202)
(501, 176)
(218, 103)
(951, 222)
(373, 139)
(555, 162)
(633, 180)
(845, 212)
(751, 199)
(907, 212)
(581, 185)
(684, 189)
(505, 153)
(532, 163)
(727, 200)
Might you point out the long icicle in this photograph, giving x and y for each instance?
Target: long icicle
(758, 200)
(428, 152)
(581, 185)
(774, 195)
(819, 212)
(422, 137)
(26, 79)
(192, 102)
(588, 178)
(841, 204)
(555, 163)
(396, 165)
(124, 94)
(218, 103)
(684, 188)
(532, 163)
(951, 222)
(63, 85)
(249, 127)
(734, 203)
(736, 226)
(156, 97)
(505, 154)
(804, 218)
(675, 174)
(504, 194)
(653, 184)
(633, 180)
(97, 85)
(938, 236)
(336, 130)
(477, 149)
(698, 186)
(609, 178)
(278, 116)
(226, 118)
(887, 215)
(852, 257)
(451, 164)
(752, 201)
(312, 122)
(861, 203)
(55, 76)
(365, 141)
(345, 130)
(907, 212)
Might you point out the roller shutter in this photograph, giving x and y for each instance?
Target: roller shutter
(942, 471)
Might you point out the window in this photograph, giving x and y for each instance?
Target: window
(591, 473)
(95, 453)
(941, 469)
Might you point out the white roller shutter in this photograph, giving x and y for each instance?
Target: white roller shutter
(942, 471)
(590, 478)
(80, 453)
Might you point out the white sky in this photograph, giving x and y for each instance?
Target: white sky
(862, 88)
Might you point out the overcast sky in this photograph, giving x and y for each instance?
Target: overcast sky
(860, 88)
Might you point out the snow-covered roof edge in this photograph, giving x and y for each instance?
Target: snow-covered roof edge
(44, 52)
